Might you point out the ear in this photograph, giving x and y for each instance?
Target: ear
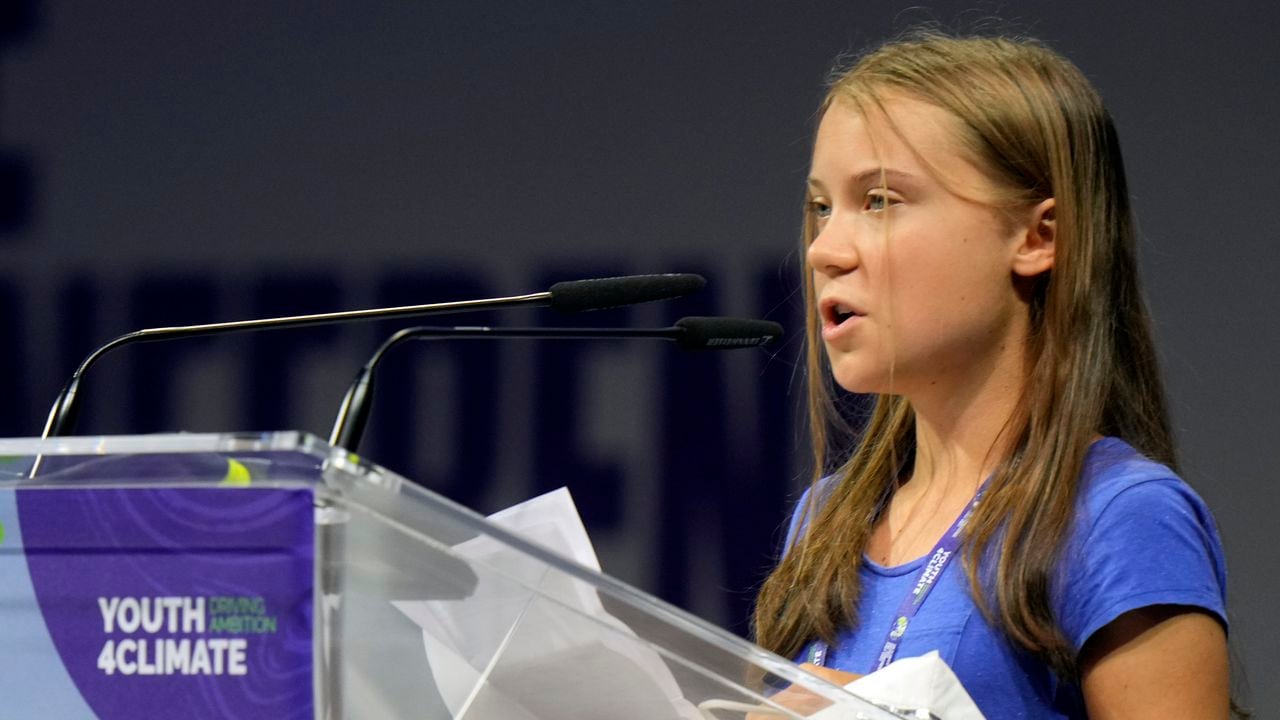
(1033, 253)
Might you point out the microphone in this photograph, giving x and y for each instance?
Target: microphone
(690, 333)
(569, 296)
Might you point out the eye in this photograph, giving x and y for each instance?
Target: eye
(877, 200)
(819, 209)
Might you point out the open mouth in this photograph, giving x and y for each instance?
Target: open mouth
(837, 313)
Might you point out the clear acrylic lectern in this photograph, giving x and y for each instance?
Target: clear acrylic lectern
(272, 576)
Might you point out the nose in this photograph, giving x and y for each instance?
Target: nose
(832, 252)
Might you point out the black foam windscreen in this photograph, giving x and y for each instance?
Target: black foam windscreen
(718, 333)
(602, 293)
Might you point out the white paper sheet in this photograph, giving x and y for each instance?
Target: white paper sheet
(911, 685)
(562, 657)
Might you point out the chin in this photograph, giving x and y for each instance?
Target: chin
(858, 371)
(861, 383)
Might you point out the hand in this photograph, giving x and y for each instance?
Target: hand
(838, 678)
(800, 700)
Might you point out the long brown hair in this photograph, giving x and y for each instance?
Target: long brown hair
(1033, 123)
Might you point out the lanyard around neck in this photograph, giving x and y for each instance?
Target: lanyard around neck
(941, 556)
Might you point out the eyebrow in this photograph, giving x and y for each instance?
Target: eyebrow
(871, 176)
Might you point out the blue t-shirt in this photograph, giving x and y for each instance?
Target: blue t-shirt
(1141, 537)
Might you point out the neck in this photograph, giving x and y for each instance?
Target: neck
(959, 450)
(964, 432)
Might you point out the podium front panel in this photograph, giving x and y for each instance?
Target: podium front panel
(269, 575)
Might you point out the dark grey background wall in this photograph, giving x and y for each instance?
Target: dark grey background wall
(172, 163)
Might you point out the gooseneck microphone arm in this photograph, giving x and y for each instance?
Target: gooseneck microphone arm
(691, 333)
(62, 415)
(570, 296)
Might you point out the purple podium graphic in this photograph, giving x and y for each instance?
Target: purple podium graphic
(174, 602)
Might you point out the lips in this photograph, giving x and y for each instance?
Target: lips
(837, 313)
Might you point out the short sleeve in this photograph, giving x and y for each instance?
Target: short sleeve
(798, 522)
(1152, 542)
(801, 514)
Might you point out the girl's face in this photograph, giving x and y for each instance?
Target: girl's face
(911, 272)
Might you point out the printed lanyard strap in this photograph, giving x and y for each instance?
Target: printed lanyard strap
(938, 561)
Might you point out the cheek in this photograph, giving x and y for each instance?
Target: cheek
(951, 284)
